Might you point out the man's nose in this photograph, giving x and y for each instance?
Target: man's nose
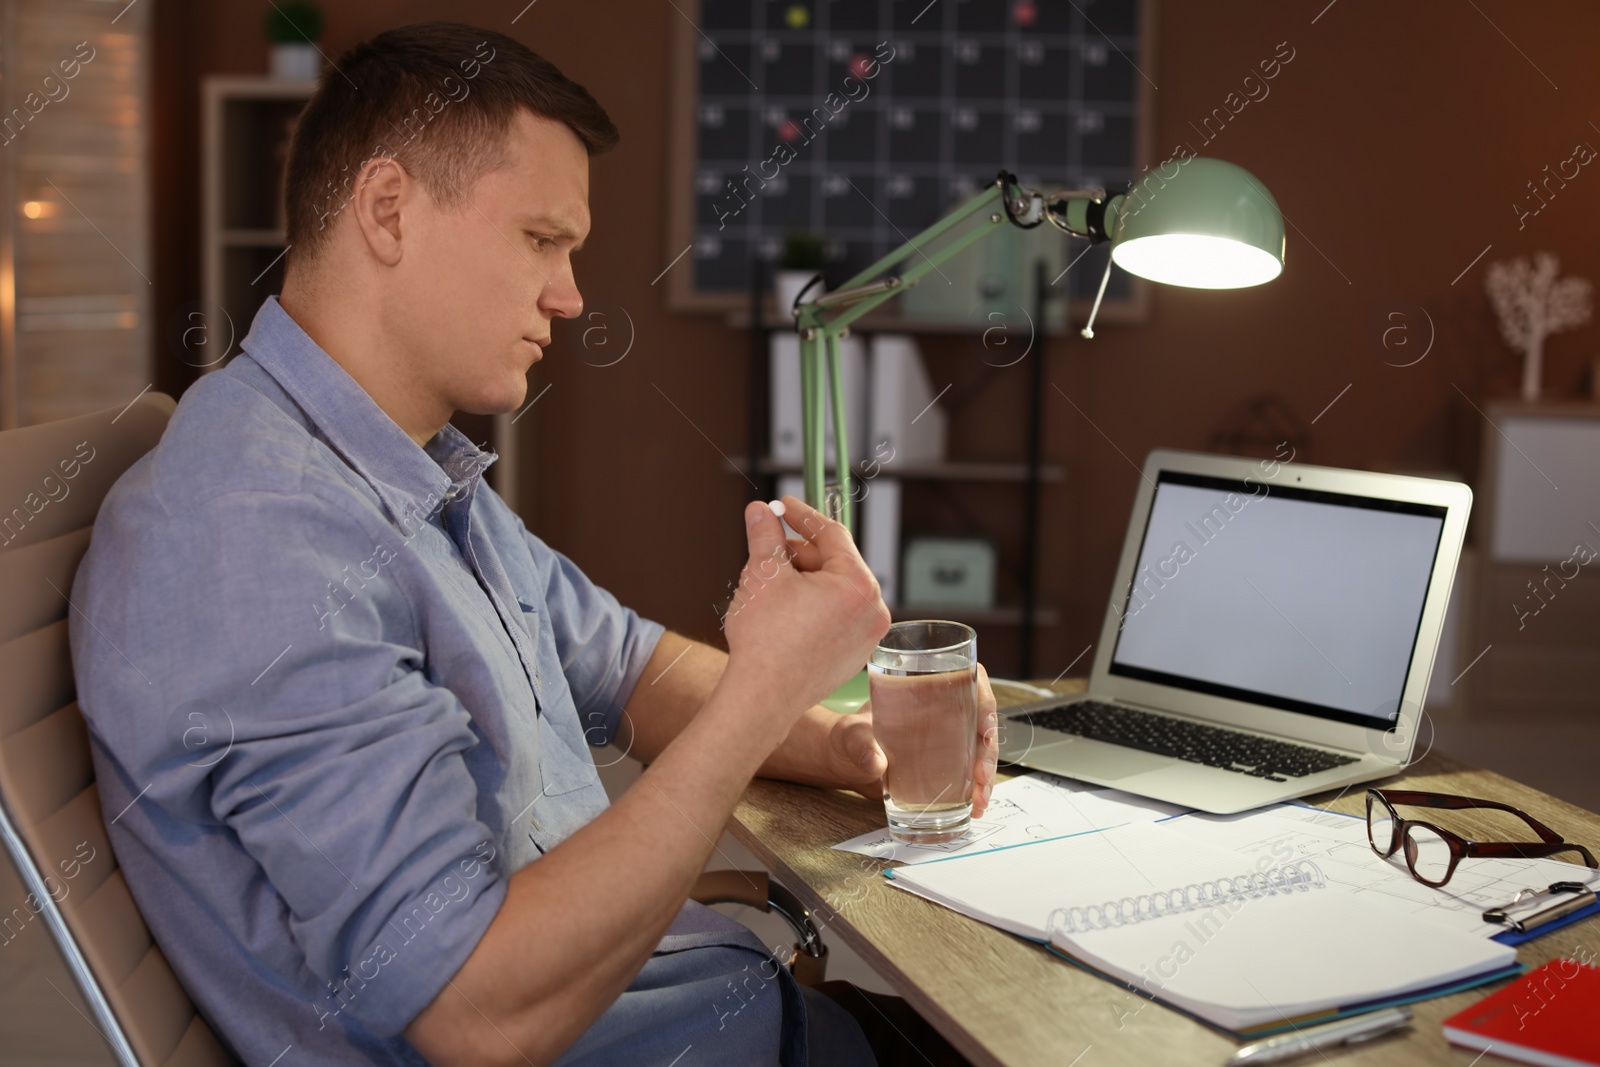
(561, 297)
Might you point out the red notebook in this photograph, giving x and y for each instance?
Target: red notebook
(1547, 1017)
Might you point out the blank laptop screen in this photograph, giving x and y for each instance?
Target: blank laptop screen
(1291, 598)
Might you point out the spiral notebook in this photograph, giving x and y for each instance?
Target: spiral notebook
(1247, 949)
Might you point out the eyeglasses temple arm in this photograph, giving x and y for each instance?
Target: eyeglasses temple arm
(1482, 849)
(1449, 801)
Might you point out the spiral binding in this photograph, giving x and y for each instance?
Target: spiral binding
(1300, 876)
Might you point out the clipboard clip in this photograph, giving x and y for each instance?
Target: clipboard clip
(1563, 898)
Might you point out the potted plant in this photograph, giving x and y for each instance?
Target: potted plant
(804, 257)
(292, 29)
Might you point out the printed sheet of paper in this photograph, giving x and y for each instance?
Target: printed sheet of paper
(1034, 807)
(1338, 845)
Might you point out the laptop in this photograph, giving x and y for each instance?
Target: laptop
(1270, 634)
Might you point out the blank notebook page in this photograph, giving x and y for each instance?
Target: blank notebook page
(1259, 961)
(1020, 886)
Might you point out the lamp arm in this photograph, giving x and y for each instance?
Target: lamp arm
(871, 296)
(841, 442)
(1082, 212)
(813, 338)
(819, 339)
(986, 197)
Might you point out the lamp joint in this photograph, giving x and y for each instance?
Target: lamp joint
(1094, 220)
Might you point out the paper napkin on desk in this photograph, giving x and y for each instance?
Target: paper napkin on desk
(1033, 807)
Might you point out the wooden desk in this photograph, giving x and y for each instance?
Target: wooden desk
(1003, 1000)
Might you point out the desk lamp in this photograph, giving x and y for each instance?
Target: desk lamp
(1209, 226)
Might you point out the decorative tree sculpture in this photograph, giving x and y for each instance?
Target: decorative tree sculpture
(1531, 304)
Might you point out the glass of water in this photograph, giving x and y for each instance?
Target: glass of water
(924, 681)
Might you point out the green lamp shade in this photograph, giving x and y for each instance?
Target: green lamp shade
(1213, 226)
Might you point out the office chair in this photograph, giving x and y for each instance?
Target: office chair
(53, 479)
(755, 890)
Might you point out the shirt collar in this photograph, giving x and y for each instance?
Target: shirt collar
(406, 476)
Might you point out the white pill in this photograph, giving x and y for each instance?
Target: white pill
(777, 508)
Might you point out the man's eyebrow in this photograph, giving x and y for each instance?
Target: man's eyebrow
(553, 228)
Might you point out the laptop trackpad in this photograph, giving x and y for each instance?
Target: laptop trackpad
(1097, 758)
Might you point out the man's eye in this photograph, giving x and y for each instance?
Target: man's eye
(542, 244)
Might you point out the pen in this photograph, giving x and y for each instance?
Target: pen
(1344, 1032)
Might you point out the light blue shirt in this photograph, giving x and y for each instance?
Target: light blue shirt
(337, 694)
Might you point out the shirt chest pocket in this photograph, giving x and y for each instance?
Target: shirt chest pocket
(570, 793)
(562, 771)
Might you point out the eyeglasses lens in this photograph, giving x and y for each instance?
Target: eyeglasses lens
(1427, 853)
(1380, 826)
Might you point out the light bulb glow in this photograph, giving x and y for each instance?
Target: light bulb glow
(1196, 261)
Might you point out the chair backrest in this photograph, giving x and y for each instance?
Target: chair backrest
(52, 481)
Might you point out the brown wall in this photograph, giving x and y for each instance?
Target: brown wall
(1395, 141)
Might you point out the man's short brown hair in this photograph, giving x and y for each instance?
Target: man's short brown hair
(438, 98)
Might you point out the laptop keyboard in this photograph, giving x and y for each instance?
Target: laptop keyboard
(1259, 757)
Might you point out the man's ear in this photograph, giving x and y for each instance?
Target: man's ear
(382, 194)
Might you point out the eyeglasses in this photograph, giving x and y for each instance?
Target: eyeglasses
(1433, 852)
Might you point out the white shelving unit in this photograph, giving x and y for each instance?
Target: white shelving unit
(245, 127)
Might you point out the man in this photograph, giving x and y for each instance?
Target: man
(339, 696)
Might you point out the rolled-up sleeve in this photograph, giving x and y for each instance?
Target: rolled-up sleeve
(344, 775)
(603, 645)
